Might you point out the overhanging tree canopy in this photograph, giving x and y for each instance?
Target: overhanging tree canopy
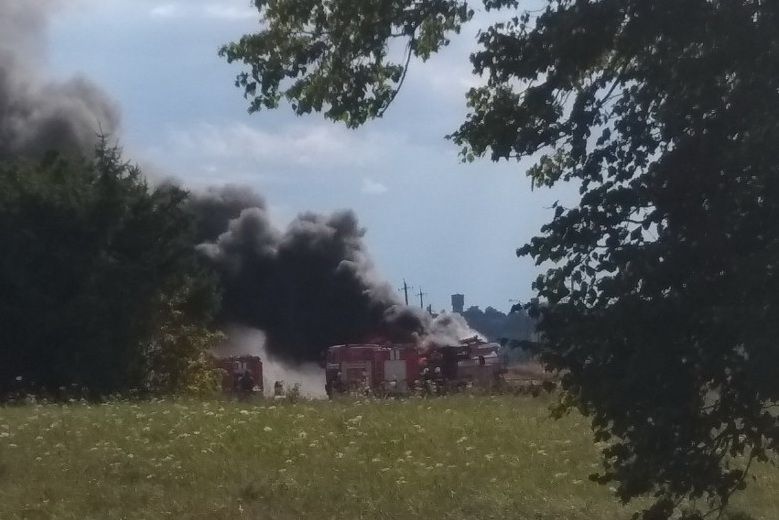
(661, 305)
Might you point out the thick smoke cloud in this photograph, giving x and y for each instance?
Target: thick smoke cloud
(311, 286)
(307, 287)
(214, 209)
(37, 114)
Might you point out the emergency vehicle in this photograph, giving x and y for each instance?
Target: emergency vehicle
(233, 368)
(402, 368)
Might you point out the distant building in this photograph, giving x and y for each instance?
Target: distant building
(458, 303)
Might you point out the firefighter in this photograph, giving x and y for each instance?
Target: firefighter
(278, 389)
(246, 384)
(438, 380)
(427, 381)
(364, 384)
(393, 387)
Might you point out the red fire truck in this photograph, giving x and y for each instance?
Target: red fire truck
(402, 368)
(365, 366)
(233, 368)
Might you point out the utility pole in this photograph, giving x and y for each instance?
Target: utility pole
(421, 301)
(405, 289)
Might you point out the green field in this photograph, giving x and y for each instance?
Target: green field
(447, 458)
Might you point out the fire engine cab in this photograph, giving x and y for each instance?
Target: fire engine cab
(233, 369)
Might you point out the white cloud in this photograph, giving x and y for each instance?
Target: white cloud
(371, 187)
(168, 11)
(317, 145)
(448, 78)
(224, 10)
(229, 11)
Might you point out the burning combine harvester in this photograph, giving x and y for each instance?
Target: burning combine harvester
(402, 369)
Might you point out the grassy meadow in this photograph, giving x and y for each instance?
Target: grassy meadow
(448, 458)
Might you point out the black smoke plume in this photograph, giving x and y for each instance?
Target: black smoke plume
(38, 114)
(308, 287)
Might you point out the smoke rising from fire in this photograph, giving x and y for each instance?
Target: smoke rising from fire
(308, 377)
(38, 114)
(307, 287)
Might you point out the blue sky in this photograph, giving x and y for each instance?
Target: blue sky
(444, 226)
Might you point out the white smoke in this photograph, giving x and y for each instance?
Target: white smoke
(448, 329)
(245, 341)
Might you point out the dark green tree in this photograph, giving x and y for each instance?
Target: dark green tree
(99, 280)
(660, 306)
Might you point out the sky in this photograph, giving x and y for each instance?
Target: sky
(444, 226)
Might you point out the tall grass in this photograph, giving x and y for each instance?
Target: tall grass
(448, 458)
